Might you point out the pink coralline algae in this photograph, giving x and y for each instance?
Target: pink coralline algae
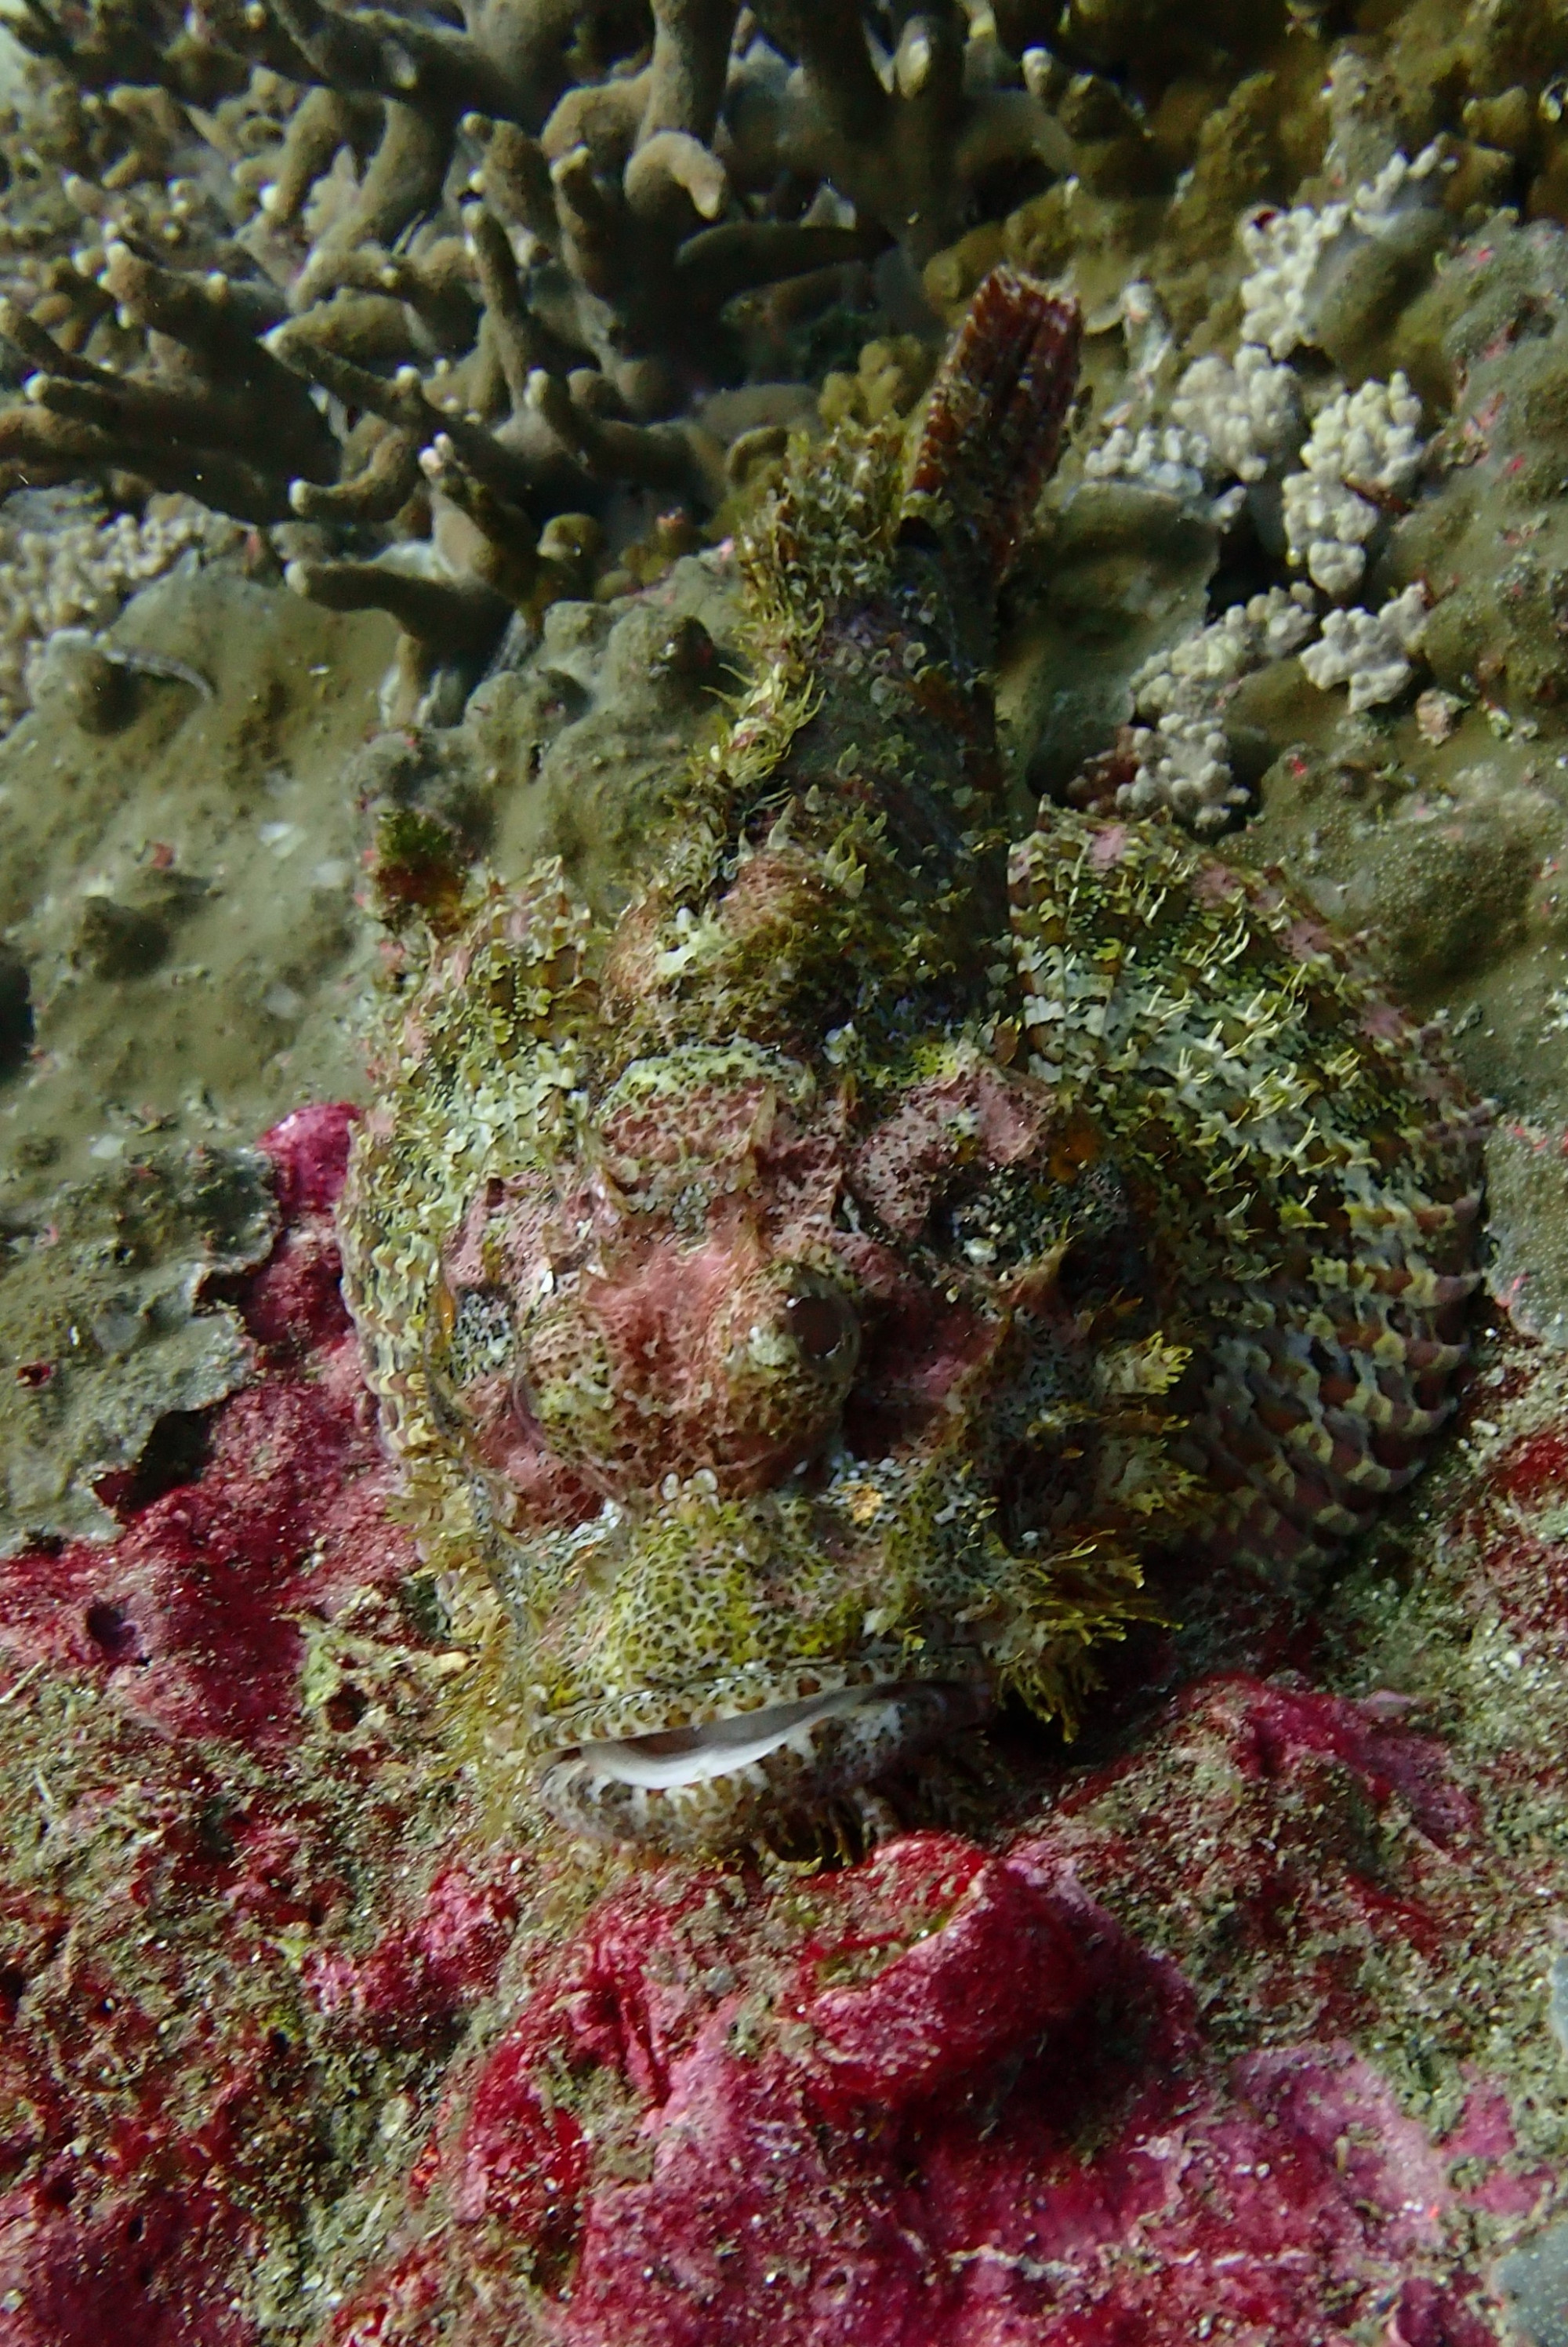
(192, 1616)
(957, 2099)
(1238, 2028)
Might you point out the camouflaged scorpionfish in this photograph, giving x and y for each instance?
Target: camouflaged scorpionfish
(817, 1292)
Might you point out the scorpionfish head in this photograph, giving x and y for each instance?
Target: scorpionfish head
(802, 1429)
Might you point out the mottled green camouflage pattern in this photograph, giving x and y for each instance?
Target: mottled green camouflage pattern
(817, 1295)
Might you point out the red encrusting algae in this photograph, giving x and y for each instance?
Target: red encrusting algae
(1239, 2033)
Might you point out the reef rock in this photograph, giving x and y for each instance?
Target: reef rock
(108, 1334)
(1246, 2021)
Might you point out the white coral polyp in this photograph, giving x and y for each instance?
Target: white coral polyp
(1398, 187)
(1366, 439)
(1268, 628)
(1182, 764)
(1171, 461)
(1296, 254)
(1183, 757)
(1248, 410)
(1230, 422)
(1326, 528)
(1284, 249)
(1369, 651)
(1369, 437)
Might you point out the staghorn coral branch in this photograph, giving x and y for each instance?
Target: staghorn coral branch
(592, 243)
(679, 456)
(453, 619)
(603, 117)
(902, 155)
(400, 399)
(402, 402)
(157, 129)
(368, 329)
(438, 286)
(28, 337)
(234, 446)
(717, 263)
(30, 436)
(831, 48)
(514, 177)
(365, 315)
(37, 446)
(432, 68)
(217, 318)
(686, 77)
(376, 493)
(510, 560)
(133, 48)
(517, 342)
(402, 183)
(534, 43)
(324, 120)
(673, 175)
(141, 416)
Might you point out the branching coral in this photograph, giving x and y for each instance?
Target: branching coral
(498, 252)
(1300, 256)
(1181, 755)
(1363, 455)
(1369, 651)
(401, 277)
(447, 300)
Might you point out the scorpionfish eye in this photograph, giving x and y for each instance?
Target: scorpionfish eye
(696, 1358)
(824, 1326)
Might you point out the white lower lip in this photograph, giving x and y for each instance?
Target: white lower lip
(721, 1746)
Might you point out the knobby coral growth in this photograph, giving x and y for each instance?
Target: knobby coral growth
(444, 296)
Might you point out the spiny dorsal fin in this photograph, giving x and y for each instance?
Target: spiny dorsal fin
(994, 425)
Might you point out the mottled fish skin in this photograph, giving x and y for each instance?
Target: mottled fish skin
(816, 1294)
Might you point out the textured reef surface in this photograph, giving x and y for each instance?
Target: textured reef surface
(1244, 2021)
(388, 396)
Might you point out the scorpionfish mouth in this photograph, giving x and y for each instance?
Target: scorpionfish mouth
(723, 1777)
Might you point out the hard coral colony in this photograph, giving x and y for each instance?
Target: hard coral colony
(437, 296)
(820, 1291)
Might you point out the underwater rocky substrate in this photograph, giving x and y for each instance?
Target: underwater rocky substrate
(1247, 2016)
